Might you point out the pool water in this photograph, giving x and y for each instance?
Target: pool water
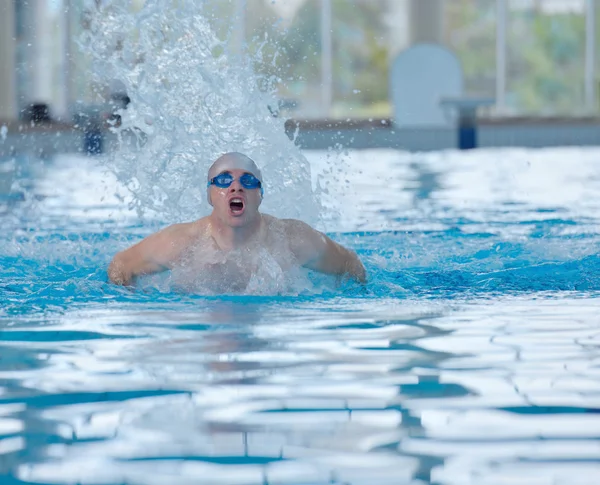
(472, 356)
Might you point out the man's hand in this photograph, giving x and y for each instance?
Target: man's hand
(117, 272)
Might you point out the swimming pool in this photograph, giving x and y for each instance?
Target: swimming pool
(471, 357)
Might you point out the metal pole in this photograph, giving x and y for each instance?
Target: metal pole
(427, 21)
(501, 48)
(326, 55)
(590, 54)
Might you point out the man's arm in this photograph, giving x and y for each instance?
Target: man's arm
(316, 251)
(153, 254)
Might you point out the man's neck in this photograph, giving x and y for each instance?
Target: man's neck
(228, 238)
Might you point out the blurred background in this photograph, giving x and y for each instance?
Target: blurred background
(534, 60)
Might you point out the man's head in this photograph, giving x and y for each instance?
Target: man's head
(234, 188)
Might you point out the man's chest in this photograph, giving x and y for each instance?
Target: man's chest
(212, 269)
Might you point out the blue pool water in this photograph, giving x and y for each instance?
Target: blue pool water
(472, 356)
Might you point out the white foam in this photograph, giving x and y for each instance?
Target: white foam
(200, 104)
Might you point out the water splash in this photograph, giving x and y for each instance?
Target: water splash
(191, 101)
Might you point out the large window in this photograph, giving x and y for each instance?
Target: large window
(343, 72)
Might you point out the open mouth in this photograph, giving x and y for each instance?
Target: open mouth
(236, 205)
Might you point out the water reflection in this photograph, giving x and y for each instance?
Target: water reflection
(230, 390)
(427, 182)
(482, 191)
(254, 391)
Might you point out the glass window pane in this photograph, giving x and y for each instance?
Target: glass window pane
(546, 57)
(360, 59)
(292, 54)
(470, 32)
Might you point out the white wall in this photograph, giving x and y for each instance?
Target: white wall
(37, 52)
(8, 94)
(44, 47)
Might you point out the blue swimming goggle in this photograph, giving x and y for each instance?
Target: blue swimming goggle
(225, 179)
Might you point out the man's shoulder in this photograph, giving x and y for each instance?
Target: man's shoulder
(290, 226)
(187, 230)
(305, 242)
(302, 236)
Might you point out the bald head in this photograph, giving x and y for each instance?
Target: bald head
(232, 161)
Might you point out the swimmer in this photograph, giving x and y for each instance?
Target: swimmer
(232, 243)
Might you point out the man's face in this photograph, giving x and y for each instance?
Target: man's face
(235, 205)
